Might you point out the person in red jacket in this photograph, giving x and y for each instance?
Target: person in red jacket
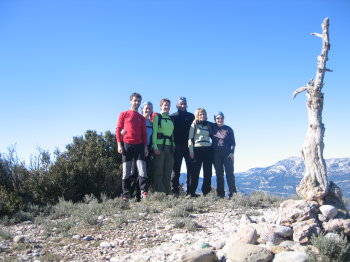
(131, 137)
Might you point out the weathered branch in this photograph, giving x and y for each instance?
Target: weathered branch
(303, 88)
(316, 34)
(299, 90)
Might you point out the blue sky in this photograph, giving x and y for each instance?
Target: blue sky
(70, 66)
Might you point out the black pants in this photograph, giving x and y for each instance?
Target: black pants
(202, 155)
(181, 151)
(221, 160)
(134, 157)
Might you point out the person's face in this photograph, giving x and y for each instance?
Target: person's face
(147, 111)
(135, 103)
(219, 120)
(182, 106)
(202, 116)
(165, 107)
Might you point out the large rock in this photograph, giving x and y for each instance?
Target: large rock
(328, 211)
(202, 255)
(291, 211)
(273, 234)
(247, 253)
(304, 230)
(290, 256)
(245, 234)
(337, 225)
(334, 197)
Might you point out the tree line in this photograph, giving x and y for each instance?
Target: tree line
(89, 165)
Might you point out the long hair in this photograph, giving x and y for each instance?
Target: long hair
(197, 112)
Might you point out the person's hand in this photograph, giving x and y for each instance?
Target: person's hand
(123, 132)
(191, 155)
(156, 152)
(120, 149)
(232, 156)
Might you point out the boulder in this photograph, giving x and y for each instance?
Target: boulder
(334, 197)
(274, 234)
(245, 234)
(337, 225)
(328, 211)
(247, 253)
(304, 230)
(291, 211)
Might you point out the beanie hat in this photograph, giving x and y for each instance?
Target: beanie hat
(218, 114)
(182, 99)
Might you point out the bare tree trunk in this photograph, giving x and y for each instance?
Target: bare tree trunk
(314, 185)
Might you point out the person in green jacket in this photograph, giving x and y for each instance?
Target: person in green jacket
(163, 146)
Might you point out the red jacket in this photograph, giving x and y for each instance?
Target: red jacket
(135, 126)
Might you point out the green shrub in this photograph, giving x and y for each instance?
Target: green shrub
(186, 223)
(10, 202)
(91, 165)
(330, 249)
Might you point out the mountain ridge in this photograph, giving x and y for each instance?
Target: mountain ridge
(284, 176)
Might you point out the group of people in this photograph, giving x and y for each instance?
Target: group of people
(153, 146)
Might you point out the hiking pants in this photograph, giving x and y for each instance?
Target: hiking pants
(133, 156)
(162, 168)
(202, 155)
(181, 151)
(135, 182)
(221, 160)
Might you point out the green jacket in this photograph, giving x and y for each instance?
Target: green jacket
(163, 133)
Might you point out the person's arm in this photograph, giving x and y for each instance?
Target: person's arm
(144, 135)
(154, 135)
(190, 140)
(233, 144)
(118, 135)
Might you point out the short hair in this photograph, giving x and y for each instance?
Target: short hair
(200, 110)
(137, 95)
(164, 100)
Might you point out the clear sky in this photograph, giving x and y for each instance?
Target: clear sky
(67, 66)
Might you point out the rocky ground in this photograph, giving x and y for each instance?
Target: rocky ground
(200, 229)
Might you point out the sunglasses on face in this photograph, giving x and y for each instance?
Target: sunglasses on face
(219, 118)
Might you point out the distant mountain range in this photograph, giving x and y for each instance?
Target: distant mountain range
(283, 177)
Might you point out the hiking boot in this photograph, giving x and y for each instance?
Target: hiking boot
(144, 195)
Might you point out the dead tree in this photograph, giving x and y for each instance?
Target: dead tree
(314, 184)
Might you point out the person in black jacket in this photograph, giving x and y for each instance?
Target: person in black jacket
(182, 122)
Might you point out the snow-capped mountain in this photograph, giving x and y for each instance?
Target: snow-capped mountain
(283, 177)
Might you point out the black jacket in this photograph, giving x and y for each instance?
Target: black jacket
(182, 123)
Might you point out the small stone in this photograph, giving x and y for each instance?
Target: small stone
(19, 239)
(219, 244)
(77, 237)
(88, 238)
(322, 218)
(333, 236)
(106, 244)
